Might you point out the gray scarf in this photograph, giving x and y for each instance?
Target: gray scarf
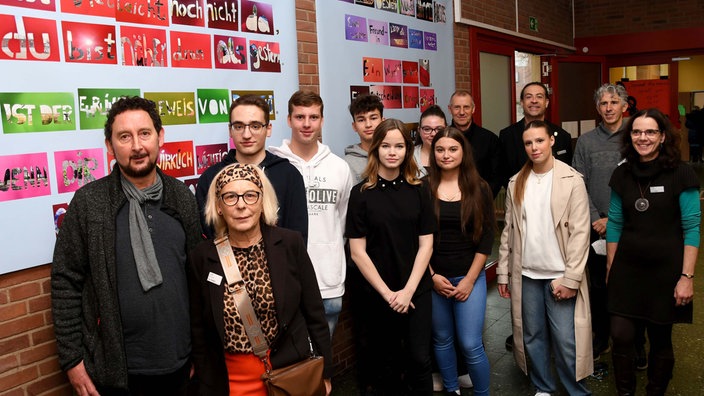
(142, 246)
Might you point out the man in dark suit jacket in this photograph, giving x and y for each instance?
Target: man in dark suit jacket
(535, 100)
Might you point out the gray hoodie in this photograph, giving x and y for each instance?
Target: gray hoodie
(356, 158)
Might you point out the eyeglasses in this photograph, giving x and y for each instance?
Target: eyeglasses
(249, 197)
(254, 127)
(428, 130)
(648, 132)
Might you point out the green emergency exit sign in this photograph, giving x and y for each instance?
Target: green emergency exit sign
(533, 23)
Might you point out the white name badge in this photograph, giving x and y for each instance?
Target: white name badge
(561, 152)
(214, 278)
(657, 189)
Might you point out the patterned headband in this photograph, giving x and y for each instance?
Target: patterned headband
(237, 172)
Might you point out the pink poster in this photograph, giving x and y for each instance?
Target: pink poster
(427, 98)
(390, 95)
(208, 155)
(24, 176)
(392, 71)
(76, 168)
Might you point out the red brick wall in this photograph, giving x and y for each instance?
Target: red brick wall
(499, 13)
(554, 20)
(602, 18)
(463, 74)
(28, 363)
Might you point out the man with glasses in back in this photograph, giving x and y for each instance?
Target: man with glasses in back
(485, 143)
(249, 127)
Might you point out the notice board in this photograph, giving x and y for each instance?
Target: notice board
(650, 93)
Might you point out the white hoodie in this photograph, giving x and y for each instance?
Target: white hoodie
(328, 180)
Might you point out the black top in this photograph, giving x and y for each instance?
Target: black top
(513, 152)
(391, 216)
(486, 150)
(453, 250)
(155, 324)
(648, 262)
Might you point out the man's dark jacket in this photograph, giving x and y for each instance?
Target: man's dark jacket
(485, 148)
(84, 297)
(288, 185)
(299, 309)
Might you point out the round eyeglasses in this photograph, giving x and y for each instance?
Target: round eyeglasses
(249, 197)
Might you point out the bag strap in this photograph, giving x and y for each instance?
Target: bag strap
(243, 304)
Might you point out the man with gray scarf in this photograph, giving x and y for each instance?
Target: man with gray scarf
(118, 279)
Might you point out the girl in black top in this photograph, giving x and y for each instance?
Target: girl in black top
(390, 226)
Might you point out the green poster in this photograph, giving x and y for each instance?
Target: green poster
(213, 105)
(94, 104)
(24, 112)
(175, 108)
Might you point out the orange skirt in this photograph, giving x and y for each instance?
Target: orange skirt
(244, 370)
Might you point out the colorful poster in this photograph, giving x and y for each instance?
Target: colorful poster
(76, 168)
(431, 41)
(392, 71)
(368, 3)
(424, 72)
(390, 95)
(44, 5)
(373, 69)
(398, 35)
(265, 56)
(356, 90)
(387, 5)
(426, 98)
(176, 159)
(230, 52)
(190, 50)
(257, 17)
(37, 112)
(410, 72)
(187, 12)
(146, 12)
(28, 39)
(355, 28)
(415, 39)
(175, 108)
(222, 14)
(268, 96)
(440, 13)
(94, 104)
(24, 176)
(209, 154)
(410, 97)
(213, 105)
(406, 7)
(378, 32)
(93, 8)
(424, 10)
(143, 47)
(89, 43)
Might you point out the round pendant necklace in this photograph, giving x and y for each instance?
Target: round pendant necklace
(642, 203)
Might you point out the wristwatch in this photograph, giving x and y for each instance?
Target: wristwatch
(688, 276)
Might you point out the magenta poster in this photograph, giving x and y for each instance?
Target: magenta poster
(230, 52)
(427, 98)
(265, 56)
(24, 176)
(209, 154)
(257, 17)
(76, 168)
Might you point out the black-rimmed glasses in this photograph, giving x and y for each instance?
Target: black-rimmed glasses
(249, 197)
(254, 127)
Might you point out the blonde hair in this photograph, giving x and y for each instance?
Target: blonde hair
(270, 205)
(409, 168)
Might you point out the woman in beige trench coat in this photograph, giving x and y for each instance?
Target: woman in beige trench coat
(542, 260)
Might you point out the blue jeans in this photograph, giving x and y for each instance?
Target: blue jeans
(333, 307)
(466, 320)
(548, 325)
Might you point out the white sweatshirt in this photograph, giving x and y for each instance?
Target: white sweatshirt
(328, 180)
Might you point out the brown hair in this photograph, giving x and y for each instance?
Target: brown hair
(528, 166)
(409, 168)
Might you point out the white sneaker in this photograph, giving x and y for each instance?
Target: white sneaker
(437, 383)
(542, 394)
(465, 381)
